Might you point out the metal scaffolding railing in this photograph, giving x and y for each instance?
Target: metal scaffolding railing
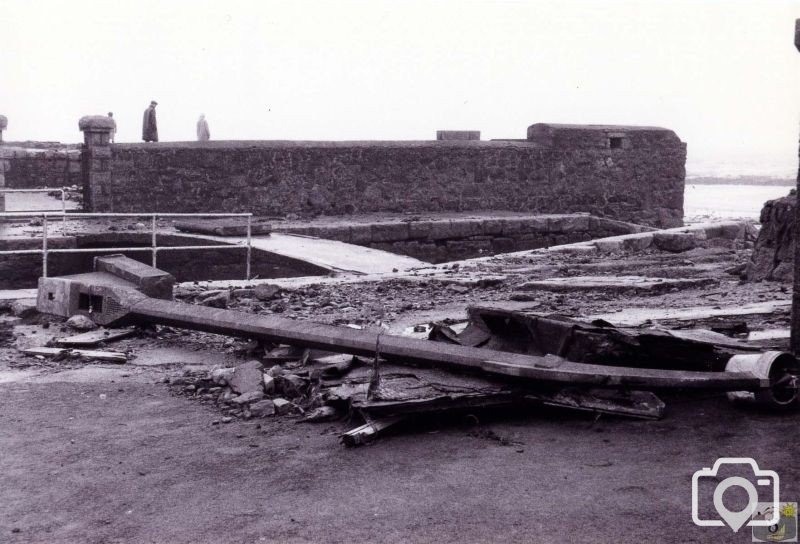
(154, 248)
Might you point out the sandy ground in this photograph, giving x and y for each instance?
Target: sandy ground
(98, 453)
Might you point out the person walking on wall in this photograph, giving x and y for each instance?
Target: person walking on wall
(113, 137)
(149, 127)
(203, 135)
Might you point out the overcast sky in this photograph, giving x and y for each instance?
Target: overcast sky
(724, 75)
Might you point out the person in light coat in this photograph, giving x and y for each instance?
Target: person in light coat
(203, 134)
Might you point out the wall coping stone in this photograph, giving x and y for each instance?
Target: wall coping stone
(339, 144)
(95, 122)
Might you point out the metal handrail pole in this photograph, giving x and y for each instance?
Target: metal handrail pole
(44, 245)
(63, 211)
(154, 244)
(41, 190)
(154, 249)
(147, 249)
(38, 213)
(249, 245)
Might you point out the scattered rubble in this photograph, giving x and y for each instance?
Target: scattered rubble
(23, 308)
(215, 299)
(616, 284)
(491, 363)
(62, 353)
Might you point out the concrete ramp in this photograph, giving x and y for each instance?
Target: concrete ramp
(329, 253)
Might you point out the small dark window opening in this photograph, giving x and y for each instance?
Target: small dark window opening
(615, 142)
(92, 303)
(51, 296)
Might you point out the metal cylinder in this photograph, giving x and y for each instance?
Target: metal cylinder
(779, 368)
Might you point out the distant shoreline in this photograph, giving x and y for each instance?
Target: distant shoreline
(741, 180)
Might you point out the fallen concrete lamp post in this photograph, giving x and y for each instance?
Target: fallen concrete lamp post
(604, 344)
(118, 293)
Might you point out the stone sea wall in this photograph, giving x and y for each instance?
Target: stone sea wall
(637, 176)
(41, 165)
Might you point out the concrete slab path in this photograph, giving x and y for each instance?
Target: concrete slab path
(329, 253)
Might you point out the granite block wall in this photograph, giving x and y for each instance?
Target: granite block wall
(635, 176)
(42, 166)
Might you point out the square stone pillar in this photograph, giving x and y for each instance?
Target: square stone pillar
(795, 342)
(4, 165)
(96, 161)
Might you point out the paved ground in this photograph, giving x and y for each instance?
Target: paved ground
(39, 201)
(329, 253)
(141, 465)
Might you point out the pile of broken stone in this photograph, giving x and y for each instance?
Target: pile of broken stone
(255, 390)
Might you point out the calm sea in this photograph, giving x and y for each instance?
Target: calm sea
(704, 202)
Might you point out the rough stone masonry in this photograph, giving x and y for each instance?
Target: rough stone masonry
(627, 173)
(796, 292)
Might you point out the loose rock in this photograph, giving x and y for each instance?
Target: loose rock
(291, 385)
(282, 406)
(262, 408)
(81, 323)
(247, 398)
(221, 376)
(247, 377)
(267, 291)
(219, 300)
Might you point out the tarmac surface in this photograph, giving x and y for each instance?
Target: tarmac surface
(100, 453)
(115, 458)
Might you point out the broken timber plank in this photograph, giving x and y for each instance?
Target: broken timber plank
(636, 404)
(93, 338)
(369, 431)
(110, 356)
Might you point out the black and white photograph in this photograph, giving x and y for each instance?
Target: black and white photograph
(385, 271)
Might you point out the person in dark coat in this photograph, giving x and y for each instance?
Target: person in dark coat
(149, 127)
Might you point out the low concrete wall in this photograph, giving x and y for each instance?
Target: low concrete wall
(726, 234)
(448, 240)
(641, 181)
(23, 271)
